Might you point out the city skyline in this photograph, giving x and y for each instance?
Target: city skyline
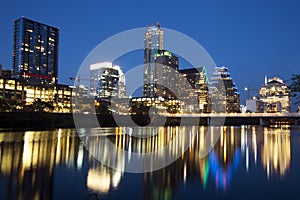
(36, 47)
(35, 58)
(261, 41)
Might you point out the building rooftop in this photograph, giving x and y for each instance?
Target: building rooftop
(34, 21)
(192, 70)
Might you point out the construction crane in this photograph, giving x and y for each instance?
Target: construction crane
(78, 79)
(249, 89)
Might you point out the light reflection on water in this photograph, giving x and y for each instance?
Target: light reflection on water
(32, 162)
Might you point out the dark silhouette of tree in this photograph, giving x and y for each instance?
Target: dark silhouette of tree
(41, 106)
(11, 105)
(104, 108)
(16, 105)
(295, 87)
(173, 109)
(4, 106)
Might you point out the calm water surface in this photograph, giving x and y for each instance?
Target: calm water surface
(248, 162)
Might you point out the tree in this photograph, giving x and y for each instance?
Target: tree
(41, 106)
(4, 106)
(16, 105)
(104, 108)
(295, 87)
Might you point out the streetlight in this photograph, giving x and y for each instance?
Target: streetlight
(248, 89)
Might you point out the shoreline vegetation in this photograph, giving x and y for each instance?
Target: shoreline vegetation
(47, 120)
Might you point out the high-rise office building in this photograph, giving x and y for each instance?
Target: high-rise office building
(153, 42)
(107, 81)
(166, 75)
(224, 96)
(198, 89)
(35, 52)
(276, 95)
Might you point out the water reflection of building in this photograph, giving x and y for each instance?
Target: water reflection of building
(27, 160)
(163, 183)
(276, 151)
(101, 178)
(236, 147)
(226, 156)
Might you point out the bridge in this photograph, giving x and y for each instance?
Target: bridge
(166, 119)
(236, 118)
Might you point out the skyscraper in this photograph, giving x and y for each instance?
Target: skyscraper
(35, 52)
(153, 42)
(107, 81)
(166, 75)
(276, 95)
(223, 93)
(198, 89)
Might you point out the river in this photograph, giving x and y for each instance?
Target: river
(238, 162)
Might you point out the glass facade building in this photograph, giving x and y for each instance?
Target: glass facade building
(153, 41)
(35, 52)
(107, 80)
(224, 97)
(166, 75)
(198, 89)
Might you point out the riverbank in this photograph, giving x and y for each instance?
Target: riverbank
(38, 120)
(44, 120)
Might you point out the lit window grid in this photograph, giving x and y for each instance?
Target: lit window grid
(32, 93)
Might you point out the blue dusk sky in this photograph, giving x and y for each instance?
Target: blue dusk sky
(252, 38)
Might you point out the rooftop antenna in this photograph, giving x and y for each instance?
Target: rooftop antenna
(266, 80)
(158, 24)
